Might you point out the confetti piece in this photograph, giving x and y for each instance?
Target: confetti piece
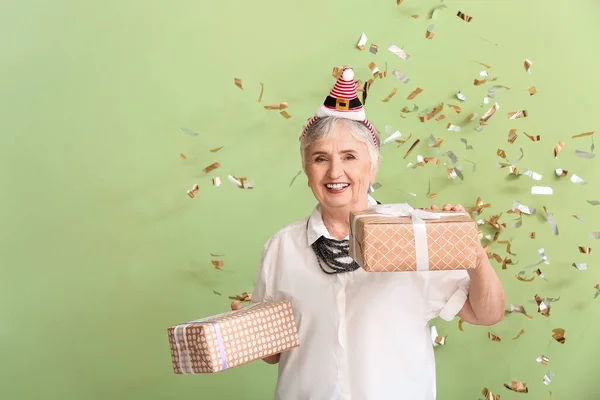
(594, 235)
(532, 91)
(489, 114)
(430, 115)
(489, 395)
(492, 90)
(294, 178)
(456, 108)
(542, 359)
(406, 110)
(217, 255)
(414, 93)
(461, 97)
(453, 128)
(436, 9)
(366, 88)
(412, 147)
(190, 132)
(217, 293)
(373, 48)
(561, 173)
(532, 235)
(517, 114)
(532, 138)
(512, 136)
(582, 135)
(441, 117)
(522, 208)
(398, 51)
(580, 267)
(558, 148)
(218, 264)
(597, 287)
(454, 173)
(244, 297)
(584, 154)
(580, 219)
(532, 175)
(545, 190)
(400, 76)
(479, 82)
(436, 339)
(211, 167)
(285, 114)
(182, 156)
(429, 33)
(262, 89)
(520, 276)
(238, 83)
(593, 202)
(543, 256)
(375, 186)
(435, 143)
(548, 377)
(464, 16)
(216, 181)
(392, 94)
(217, 149)
(584, 250)
(521, 332)
(461, 321)
(527, 64)
(394, 136)
(517, 386)
(362, 41)
(467, 146)
(401, 142)
(374, 68)
(543, 308)
(193, 191)
(558, 334)
(576, 179)
(519, 309)
(278, 106)
(415, 16)
(494, 338)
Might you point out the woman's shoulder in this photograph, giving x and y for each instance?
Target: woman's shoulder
(292, 233)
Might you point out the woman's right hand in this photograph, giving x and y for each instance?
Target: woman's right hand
(274, 359)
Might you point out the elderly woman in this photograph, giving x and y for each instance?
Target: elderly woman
(363, 335)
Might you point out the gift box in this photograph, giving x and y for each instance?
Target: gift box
(396, 237)
(234, 338)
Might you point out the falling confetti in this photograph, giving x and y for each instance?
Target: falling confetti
(558, 148)
(193, 191)
(373, 48)
(211, 167)
(584, 250)
(558, 334)
(294, 178)
(532, 90)
(429, 33)
(190, 132)
(535, 138)
(414, 93)
(467, 146)
(216, 181)
(517, 114)
(527, 64)
(494, 338)
(521, 332)
(238, 83)
(436, 9)
(278, 106)
(398, 51)
(218, 264)
(488, 114)
(362, 41)
(389, 97)
(582, 135)
(285, 115)
(245, 297)
(182, 156)
(217, 149)
(412, 147)
(464, 17)
(262, 89)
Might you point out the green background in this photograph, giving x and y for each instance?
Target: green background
(101, 249)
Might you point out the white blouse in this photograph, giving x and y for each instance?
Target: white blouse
(363, 335)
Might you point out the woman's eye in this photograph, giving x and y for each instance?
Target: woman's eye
(350, 157)
(319, 159)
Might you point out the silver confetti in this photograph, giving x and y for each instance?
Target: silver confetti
(584, 154)
(548, 377)
(461, 96)
(400, 76)
(398, 51)
(467, 146)
(189, 132)
(578, 180)
(594, 235)
(580, 267)
(532, 175)
(452, 156)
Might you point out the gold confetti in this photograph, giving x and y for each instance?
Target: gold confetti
(435, 143)
(532, 91)
(464, 17)
(543, 359)
(415, 16)
(532, 235)
(494, 338)
(262, 89)
(245, 297)
(582, 135)
(517, 386)
(461, 322)
(366, 90)
(193, 191)
(478, 82)
(584, 250)
(558, 334)
(406, 110)
(597, 287)
(429, 33)
(512, 136)
(428, 116)
(279, 106)
(558, 148)
(501, 153)
(489, 395)
(238, 83)
(216, 181)
(337, 72)
(478, 207)
(414, 93)
(398, 2)
(217, 255)
(520, 277)
(182, 156)
(374, 48)
(521, 332)
(517, 114)
(412, 147)
(285, 115)
(527, 64)
(519, 309)
(456, 108)
(218, 264)
(533, 138)
(211, 167)
(488, 114)
(392, 94)
(217, 149)
(440, 117)
(401, 142)
(543, 308)
(373, 67)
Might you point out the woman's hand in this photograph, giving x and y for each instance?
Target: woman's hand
(274, 359)
(449, 207)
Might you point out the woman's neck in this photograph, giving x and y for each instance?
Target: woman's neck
(337, 220)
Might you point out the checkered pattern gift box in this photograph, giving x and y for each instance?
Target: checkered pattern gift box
(234, 338)
(396, 237)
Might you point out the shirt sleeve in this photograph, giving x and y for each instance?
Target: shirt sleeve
(262, 285)
(447, 293)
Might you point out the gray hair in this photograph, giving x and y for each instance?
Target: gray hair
(324, 128)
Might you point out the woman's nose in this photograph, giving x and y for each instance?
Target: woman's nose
(335, 169)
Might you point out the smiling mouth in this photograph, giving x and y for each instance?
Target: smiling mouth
(336, 187)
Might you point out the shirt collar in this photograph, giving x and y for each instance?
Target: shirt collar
(316, 228)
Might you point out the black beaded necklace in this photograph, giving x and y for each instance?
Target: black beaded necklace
(331, 252)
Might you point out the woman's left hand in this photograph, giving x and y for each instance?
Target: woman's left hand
(449, 207)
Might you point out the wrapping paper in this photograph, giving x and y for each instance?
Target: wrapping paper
(396, 237)
(234, 338)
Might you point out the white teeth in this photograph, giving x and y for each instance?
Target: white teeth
(337, 186)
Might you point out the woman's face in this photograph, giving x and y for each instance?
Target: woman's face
(339, 170)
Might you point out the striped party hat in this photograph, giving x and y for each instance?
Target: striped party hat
(343, 102)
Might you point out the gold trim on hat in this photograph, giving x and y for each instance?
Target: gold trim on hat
(342, 104)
